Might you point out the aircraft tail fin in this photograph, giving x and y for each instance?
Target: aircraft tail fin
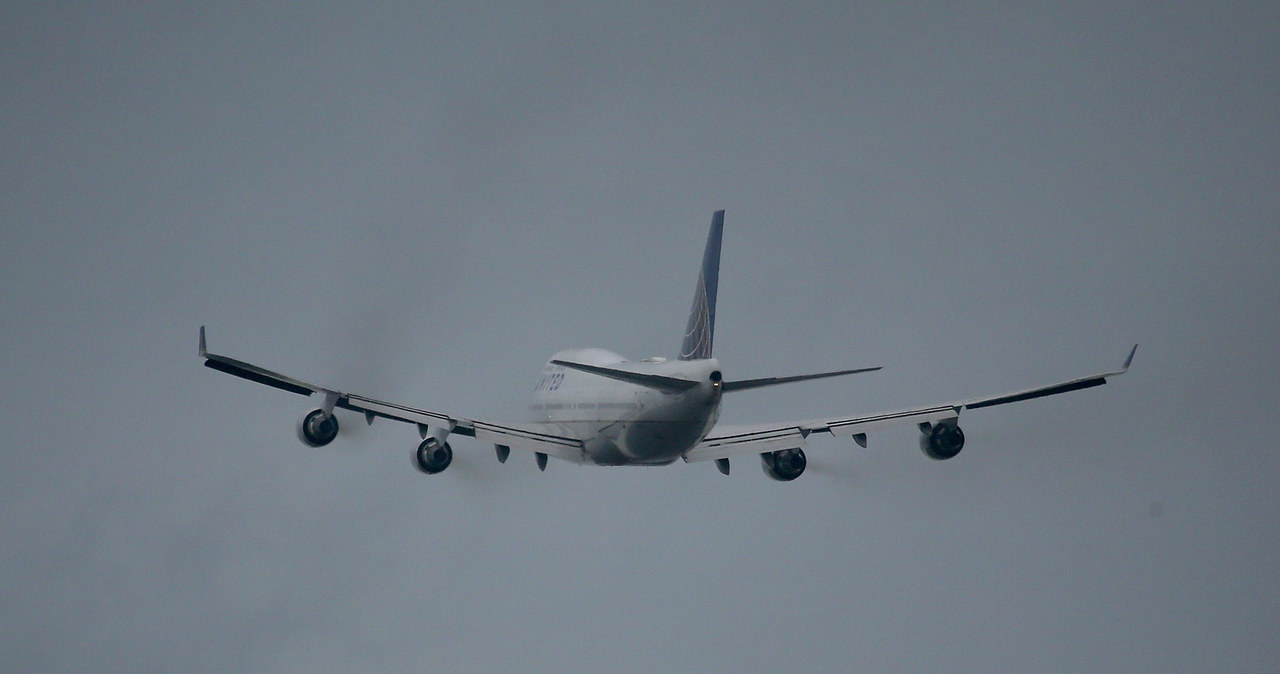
(701, 328)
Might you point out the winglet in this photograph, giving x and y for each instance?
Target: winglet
(1129, 360)
(203, 351)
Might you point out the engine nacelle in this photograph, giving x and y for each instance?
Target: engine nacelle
(941, 441)
(432, 456)
(784, 465)
(317, 428)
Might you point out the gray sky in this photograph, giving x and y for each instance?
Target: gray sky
(422, 203)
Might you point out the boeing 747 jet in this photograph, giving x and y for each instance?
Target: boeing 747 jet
(594, 406)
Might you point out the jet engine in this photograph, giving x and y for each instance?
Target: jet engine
(784, 465)
(941, 441)
(432, 456)
(318, 429)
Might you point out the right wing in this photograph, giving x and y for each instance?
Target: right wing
(542, 438)
(727, 441)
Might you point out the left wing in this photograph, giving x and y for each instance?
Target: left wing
(728, 441)
(541, 438)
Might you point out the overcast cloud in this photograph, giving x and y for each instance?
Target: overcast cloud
(422, 202)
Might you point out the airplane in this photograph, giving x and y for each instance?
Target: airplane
(592, 406)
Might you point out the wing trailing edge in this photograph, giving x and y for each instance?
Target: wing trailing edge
(1053, 389)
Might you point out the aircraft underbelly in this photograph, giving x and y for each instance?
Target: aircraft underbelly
(643, 443)
(650, 442)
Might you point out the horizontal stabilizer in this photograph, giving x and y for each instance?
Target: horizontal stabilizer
(654, 381)
(745, 384)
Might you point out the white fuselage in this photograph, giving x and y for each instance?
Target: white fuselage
(622, 423)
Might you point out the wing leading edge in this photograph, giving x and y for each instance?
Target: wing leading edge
(728, 441)
(542, 438)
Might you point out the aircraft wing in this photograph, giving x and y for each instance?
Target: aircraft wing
(543, 438)
(727, 441)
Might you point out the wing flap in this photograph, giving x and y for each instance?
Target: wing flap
(394, 412)
(849, 427)
(727, 441)
(532, 438)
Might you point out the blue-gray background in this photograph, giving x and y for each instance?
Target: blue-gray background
(423, 202)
